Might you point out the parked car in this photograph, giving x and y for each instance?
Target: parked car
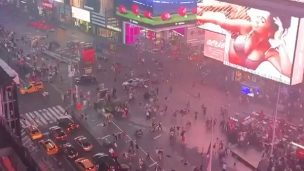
(109, 142)
(34, 132)
(67, 123)
(85, 164)
(85, 80)
(57, 133)
(69, 150)
(84, 143)
(134, 82)
(50, 147)
(106, 162)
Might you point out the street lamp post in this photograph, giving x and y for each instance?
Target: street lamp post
(275, 121)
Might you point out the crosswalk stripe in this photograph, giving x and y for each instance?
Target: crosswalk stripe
(48, 113)
(23, 124)
(60, 108)
(26, 141)
(41, 117)
(45, 116)
(57, 111)
(23, 133)
(36, 118)
(32, 122)
(54, 113)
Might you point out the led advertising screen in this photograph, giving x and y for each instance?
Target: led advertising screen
(257, 41)
(157, 12)
(214, 45)
(298, 67)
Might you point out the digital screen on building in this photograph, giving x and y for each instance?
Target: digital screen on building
(214, 45)
(157, 12)
(257, 41)
(298, 67)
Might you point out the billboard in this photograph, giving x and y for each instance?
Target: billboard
(214, 45)
(257, 41)
(157, 12)
(298, 67)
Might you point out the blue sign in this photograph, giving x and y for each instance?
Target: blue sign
(157, 7)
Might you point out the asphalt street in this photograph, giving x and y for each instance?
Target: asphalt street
(181, 76)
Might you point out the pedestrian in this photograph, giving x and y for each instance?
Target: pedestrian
(188, 104)
(221, 145)
(114, 92)
(195, 115)
(166, 108)
(171, 89)
(204, 111)
(148, 157)
(224, 167)
(137, 148)
(62, 97)
(148, 116)
(131, 146)
(183, 132)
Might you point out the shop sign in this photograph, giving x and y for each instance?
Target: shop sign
(88, 70)
(61, 1)
(179, 23)
(114, 28)
(133, 21)
(81, 14)
(47, 5)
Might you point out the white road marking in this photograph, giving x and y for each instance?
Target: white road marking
(154, 163)
(54, 113)
(156, 137)
(101, 138)
(41, 118)
(30, 120)
(60, 108)
(57, 111)
(27, 142)
(47, 112)
(23, 124)
(45, 116)
(100, 124)
(36, 118)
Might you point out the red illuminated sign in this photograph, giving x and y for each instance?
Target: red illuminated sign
(214, 45)
(47, 5)
(88, 55)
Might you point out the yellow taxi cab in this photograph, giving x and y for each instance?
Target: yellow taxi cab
(85, 164)
(50, 147)
(32, 87)
(34, 132)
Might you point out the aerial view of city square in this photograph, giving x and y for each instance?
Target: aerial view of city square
(151, 85)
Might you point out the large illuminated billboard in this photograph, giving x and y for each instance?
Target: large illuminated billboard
(257, 41)
(157, 12)
(298, 67)
(214, 45)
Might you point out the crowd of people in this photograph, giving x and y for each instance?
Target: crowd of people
(154, 107)
(25, 52)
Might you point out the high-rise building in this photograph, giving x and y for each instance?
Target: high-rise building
(9, 113)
